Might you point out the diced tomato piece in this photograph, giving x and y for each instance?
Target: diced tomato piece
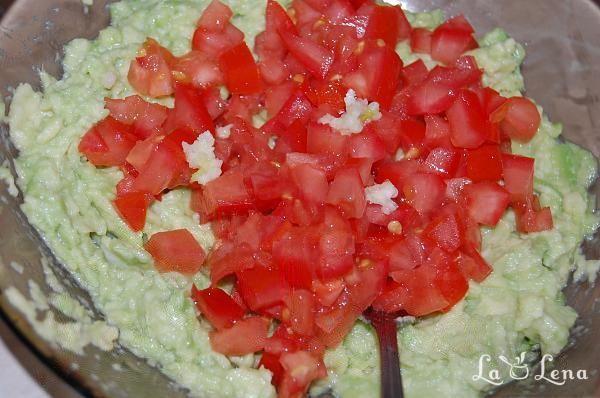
(271, 362)
(322, 139)
(261, 287)
(311, 182)
(176, 251)
(473, 266)
(190, 111)
(451, 39)
(145, 117)
(484, 164)
(241, 73)
(217, 307)
(518, 176)
(367, 145)
(397, 172)
(327, 292)
(445, 232)
(490, 100)
(301, 312)
(107, 143)
(387, 23)
(519, 118)
(420, 40)
(162, 169)
(301, 369)
(442, 161)
(224, 196)
(296, 108)
(486, 202)
(430, 97)
(330, 94)
(316, 58)
(408, 253)
(437, 132)
(467, 121)
(294, 254)
(198, 69)
(132, 209)
(531, 219)
(348, 193)
(150, 72)
(414, 74)
(378, 75)
(247, 336)
(215, 16)
(142, 150)
(336, 250)
(424, 191)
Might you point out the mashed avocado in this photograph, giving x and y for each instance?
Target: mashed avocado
(519, 307)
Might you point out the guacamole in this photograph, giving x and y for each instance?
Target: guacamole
(520, 307)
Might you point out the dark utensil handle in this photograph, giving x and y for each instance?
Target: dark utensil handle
(391, 377)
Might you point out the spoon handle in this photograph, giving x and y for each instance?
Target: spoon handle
(391, 377)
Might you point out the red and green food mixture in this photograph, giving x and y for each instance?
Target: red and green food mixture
(318, 218)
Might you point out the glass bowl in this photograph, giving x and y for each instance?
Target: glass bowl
(562, 39)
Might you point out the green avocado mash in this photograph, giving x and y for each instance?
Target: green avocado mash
(519, 307)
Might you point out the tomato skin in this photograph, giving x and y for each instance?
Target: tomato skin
(132, 208)
(467, 121)
(486, 202)
(150, 74)
(217, 307)
(519, 118)
(484, 163)
(247, 336)
(387, 23)
(241, 72)
(176, 251)
(414, 74)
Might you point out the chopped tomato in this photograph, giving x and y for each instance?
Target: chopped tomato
(484, 163)
(222, 197)
(261, 287)
(301, 312)
(347, 192)
(467, 121)
(486, 202)
(424, 191)
(240, 70)
(190, 111)
(215, 17)
(132, 209)
(145, 117)
(518, 176)
(107, 143)
(176, 251)
(519, 118)
(387, 23)
(420, 40)
(217, 307)
(198, 69)
(247, 336)
(150, 72)
(451, 39)
(316, 58)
